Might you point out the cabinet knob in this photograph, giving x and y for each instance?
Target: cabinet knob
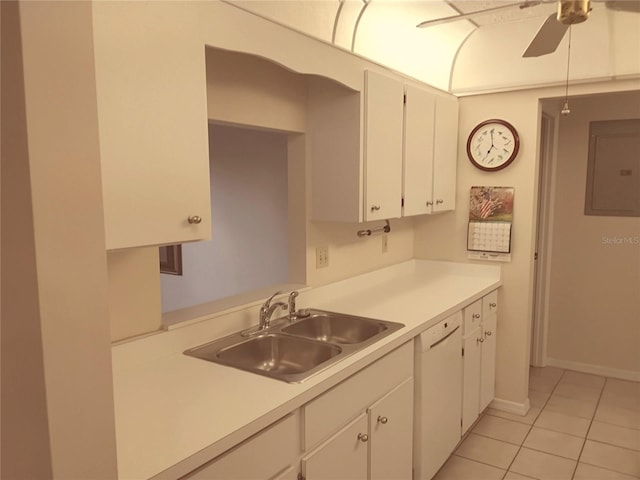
(194, 219)
(476, 315)
(429, 203)
(375, 208)
(479, 340)
(439, 201)
(383, 420)
(363, 437)
(487, 334)
(493, 305)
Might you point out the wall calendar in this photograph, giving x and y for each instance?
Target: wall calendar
(490, 223)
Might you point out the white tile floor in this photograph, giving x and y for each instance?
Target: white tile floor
(580, 427)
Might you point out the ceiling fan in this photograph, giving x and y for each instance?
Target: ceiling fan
(554, 27)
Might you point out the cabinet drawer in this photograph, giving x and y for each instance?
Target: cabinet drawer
(472, 316)
(262, 456)
(333, 409)
(490, 304)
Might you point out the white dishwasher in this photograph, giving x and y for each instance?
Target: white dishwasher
(438, 401)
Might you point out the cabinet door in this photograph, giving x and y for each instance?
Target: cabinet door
(488, 362)
(419, 114)
(490, 304)
(151, 94)
(343, 456)
(391, 429)
(472, 316)
(382, 147)
(264, 455)
(472, 348)
(445, 156)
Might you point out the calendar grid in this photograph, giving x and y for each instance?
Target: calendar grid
(489, 237)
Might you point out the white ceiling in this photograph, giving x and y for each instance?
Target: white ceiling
(465, 56)
(511, 14)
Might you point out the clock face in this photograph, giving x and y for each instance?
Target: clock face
(492, 145)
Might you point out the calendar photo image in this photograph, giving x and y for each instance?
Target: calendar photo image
(490, 219)
(491, 204)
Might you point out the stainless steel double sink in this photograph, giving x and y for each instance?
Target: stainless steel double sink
(292, 351)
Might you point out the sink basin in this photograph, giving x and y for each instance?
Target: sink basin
(274, 355)
(336, 328)
(293, 351)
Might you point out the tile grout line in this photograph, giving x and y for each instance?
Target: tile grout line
(532, 424)
(586, 435)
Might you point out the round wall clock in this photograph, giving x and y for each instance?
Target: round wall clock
(493, 145)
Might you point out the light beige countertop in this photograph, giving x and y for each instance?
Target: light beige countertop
(174, 412)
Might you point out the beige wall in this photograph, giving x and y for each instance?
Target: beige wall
(134, 292)
(444, 236)
(57, 393)
(594, 303)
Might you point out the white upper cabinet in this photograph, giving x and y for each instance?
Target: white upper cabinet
(419, 117)
(151, 93)
(402, 161)
(445, 153)
(383, 112)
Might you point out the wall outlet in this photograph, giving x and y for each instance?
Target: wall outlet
(385, 243)
(322, 257)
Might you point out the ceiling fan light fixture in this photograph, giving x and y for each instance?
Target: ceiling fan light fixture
(573, 11)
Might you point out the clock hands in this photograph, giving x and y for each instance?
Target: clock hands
(488, 152)
(491, 147)
(492, 144)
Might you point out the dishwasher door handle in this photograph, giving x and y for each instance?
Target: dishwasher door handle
(445, 337)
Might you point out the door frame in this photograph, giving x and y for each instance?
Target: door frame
(544, 234)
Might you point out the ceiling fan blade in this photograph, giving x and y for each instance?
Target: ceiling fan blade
(462, 16)
(623, 5)
(547, 39)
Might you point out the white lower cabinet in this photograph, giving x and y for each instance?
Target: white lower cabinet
(377, 445)
(344, 455)
(391, 434)
(363, 427)
(472, 356)
(479, 357)
(488, 361)
(265, 455)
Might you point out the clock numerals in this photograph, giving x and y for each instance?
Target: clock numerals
(492, 145)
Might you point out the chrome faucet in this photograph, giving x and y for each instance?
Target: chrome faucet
(292, 306)
(267, 309)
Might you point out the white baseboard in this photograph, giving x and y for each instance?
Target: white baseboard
(510, 407)
(594, 369)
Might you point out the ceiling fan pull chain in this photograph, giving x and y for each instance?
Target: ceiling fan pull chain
(565, 108)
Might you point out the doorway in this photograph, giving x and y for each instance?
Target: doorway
(542, 256)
